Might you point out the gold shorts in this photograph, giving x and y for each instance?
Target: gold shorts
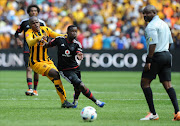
(42, 67)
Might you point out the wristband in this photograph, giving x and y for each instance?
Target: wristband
(148, 60)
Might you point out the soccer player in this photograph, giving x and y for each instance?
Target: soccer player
(32, 10)
(68, 48)
(158, 61)
(39, 60)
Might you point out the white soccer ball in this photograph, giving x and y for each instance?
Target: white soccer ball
(88, 114)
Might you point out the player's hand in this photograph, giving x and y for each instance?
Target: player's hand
(43, 40)
(80, 56)
(147, 66)
(19, 42)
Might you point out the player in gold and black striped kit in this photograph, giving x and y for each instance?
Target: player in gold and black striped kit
(39, 60)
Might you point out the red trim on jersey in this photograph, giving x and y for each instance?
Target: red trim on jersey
(26, 51)
(78, 51)
(71, 68)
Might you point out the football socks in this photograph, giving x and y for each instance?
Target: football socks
(149, 98)
(29, 82)
(172, 95)
(60, 90)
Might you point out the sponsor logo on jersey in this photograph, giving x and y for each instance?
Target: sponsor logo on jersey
(67, 52)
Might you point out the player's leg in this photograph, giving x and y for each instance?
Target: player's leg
(48, 68)
(73, 77)
(66, 75)
(54, 76)
(77, 92)
(147, 77)
(165, 79)
(86, 92)
(172, 95)
(36, 79)
(28, 75)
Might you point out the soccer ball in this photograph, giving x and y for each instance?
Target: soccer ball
(88, 114)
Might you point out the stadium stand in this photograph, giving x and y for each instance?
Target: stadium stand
(103, 24)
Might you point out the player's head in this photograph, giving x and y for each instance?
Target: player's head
(34, 23)
(149, 12)
(72, 31)
(33, 10)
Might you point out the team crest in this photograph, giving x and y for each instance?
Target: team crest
(67, 52)
(150, 39)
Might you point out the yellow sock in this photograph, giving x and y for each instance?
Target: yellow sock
(60, 90)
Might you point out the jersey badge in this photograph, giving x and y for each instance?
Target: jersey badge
(150, 39)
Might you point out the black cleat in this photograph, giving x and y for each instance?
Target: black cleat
(67, 104)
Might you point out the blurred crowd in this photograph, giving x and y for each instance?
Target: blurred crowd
(102, 24)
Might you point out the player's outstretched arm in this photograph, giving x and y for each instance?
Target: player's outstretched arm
(31, 41)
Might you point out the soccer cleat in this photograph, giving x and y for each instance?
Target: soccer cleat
(29, 92)
(177, 116)
(67, 104)
(150, 116)
(75, 103)
(35, 93)
(100, 103)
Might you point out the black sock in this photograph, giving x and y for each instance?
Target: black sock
(172, 95)
(35, 84)
(88, 94)
(149, 98)
(77, 93)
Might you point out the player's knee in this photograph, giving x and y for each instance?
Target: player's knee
(76, 83)
(54, 73)
(145, 83)
(28, 69)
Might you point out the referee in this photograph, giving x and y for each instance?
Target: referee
(158, 61)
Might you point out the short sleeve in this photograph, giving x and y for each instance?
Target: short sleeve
(151, 36)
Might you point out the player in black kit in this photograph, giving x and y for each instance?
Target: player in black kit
(32, 10)
(68, 48)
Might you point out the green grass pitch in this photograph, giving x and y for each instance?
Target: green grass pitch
(125, 102)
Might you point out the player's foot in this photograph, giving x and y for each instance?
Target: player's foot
(100, 103)
(75, 102)
(150, 116)
(29, 92)
(177, 116)
(35, 93)
(67, 104)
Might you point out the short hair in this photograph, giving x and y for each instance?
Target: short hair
(33, 5)
(70, 26)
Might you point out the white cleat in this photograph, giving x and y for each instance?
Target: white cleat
(150, 116)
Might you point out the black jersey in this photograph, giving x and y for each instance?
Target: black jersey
(66, 52)
(24, 26)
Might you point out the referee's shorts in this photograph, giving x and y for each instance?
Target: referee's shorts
(161, 65)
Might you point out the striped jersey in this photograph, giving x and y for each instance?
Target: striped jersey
(24, 26)
(38, 53)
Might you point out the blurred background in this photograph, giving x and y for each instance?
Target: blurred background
(103, 24)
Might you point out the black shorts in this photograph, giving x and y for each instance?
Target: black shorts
(161, 65)
(26, 59)
(72, 76)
